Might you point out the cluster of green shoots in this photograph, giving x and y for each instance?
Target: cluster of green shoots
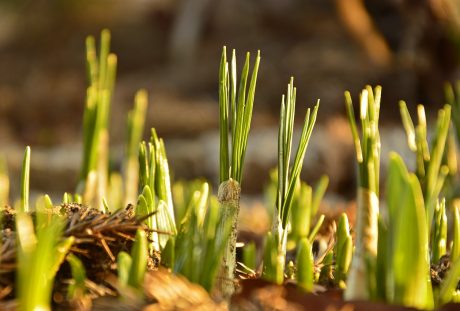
(196, 232)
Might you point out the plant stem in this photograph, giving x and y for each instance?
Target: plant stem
(25, 175)
(229, 199)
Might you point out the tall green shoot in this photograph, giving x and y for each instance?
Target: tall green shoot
(360, 284)
(235, 114)
(136, 120)
(25, 176)
(101, 75)
(288, 176)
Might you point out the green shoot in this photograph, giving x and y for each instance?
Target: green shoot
(156, 186)
(235, 114)
(250, 256)
(4, 183)
(407, 258)
(39, 257)
(272, 270)
(360, 279)
(136, 120)
(25, 176)
(77, 288)
(101, 76)
(305, 265)
(439, 232)
(304, 209)
(201, 241)
(455, 250)
(343, 249)
(316, 228)
(430, 170)
(139, 256)
(288, 177)
(168, 253)
(124, 263)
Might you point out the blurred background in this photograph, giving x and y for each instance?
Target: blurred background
(172, 48)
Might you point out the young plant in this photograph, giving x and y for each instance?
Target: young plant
(136, 120)
(360, 283)
(407, 240)
(250, 256)
(305, 265)
(40, 252)
(439, 232)
(132, 268)
(343, 250)
(202, 239)
(430, 170)
(77, 289)
(101, 75)
(155, 198)
(288, 177)
(25, 176)
(305, 207)
(235, 114)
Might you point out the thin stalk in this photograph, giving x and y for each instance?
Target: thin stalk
(25, 176)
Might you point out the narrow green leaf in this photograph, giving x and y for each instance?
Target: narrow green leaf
(124, 263)
(25, 176)
(139, 255)
(77, 288)
(305, 264)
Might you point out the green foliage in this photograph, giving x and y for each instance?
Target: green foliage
(250, 256)
(361, 279)
(439, 232)
(408, 268)
(273, 269)
(368, 145)
(235, 114)
(77, 288)
(101, 76)
(287, 178)
(343, 249)
(25, 176)
(40, 252)
(430, 170)
(305, 207)
(139, 256)
(131, 268)
(136, 121)
(305, 265)
(124, 263)
(201, 240)
(155, 198)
